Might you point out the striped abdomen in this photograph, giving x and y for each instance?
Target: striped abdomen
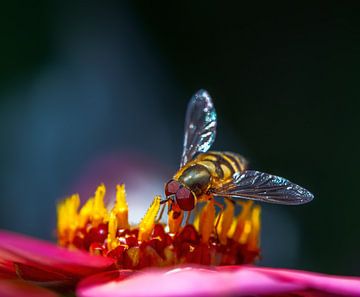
(210, 170)
(222, 165)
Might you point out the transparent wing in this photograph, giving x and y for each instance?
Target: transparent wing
(200, 126)
(255, 185)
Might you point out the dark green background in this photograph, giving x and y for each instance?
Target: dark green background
(285, 80)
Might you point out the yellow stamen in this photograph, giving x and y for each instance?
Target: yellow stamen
(241, 220)
(253, 239)
(61, 218)
(207, 219)
(121, 207)
(112, 241)
(245, 232)
(225, 221)
(99, 212)
(174, 224)
(148, 222)
(85, 212)
(68, 217)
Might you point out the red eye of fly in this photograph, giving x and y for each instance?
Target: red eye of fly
(185, 199)
(171, 187)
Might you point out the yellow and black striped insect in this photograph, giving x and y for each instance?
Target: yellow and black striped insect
(204, 175)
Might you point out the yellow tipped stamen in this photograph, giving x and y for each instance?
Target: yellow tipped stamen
(68, 217)
(245, 231)
(99, 211)
(175, 223)
(225, 221)
(148, 222)
(207, 219)
(112, 241)
(241, 220)
(86, 212)
(61, 218)
(253, 239)
(121, 208)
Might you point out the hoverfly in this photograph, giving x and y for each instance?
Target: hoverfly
(204, 175)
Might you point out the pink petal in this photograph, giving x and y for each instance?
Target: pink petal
(239, 281)
(15, 288)
(107, 276)
(7, 269)
(188, 281)
(341, 285)
(38, 260)
(7, 273)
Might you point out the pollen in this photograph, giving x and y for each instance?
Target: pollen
(216, 236)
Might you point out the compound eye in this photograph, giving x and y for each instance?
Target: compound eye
(185, 199)
(171, 187)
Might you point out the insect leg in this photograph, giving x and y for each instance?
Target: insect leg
(218, 204)
(164, 203)
(187, 217)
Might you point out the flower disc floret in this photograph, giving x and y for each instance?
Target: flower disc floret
(222, 239)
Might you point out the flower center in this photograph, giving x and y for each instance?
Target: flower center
(222, 239)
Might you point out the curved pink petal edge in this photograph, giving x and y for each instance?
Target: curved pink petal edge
(222, 281)
(39, 260)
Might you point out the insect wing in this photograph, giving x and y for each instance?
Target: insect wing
(255, 185)
(200, 126)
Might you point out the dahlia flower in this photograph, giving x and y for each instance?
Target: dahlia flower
(100, 253)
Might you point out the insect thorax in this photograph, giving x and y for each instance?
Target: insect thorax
(196, 177)
(209, 171)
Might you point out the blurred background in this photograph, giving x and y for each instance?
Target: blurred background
(96, 92)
